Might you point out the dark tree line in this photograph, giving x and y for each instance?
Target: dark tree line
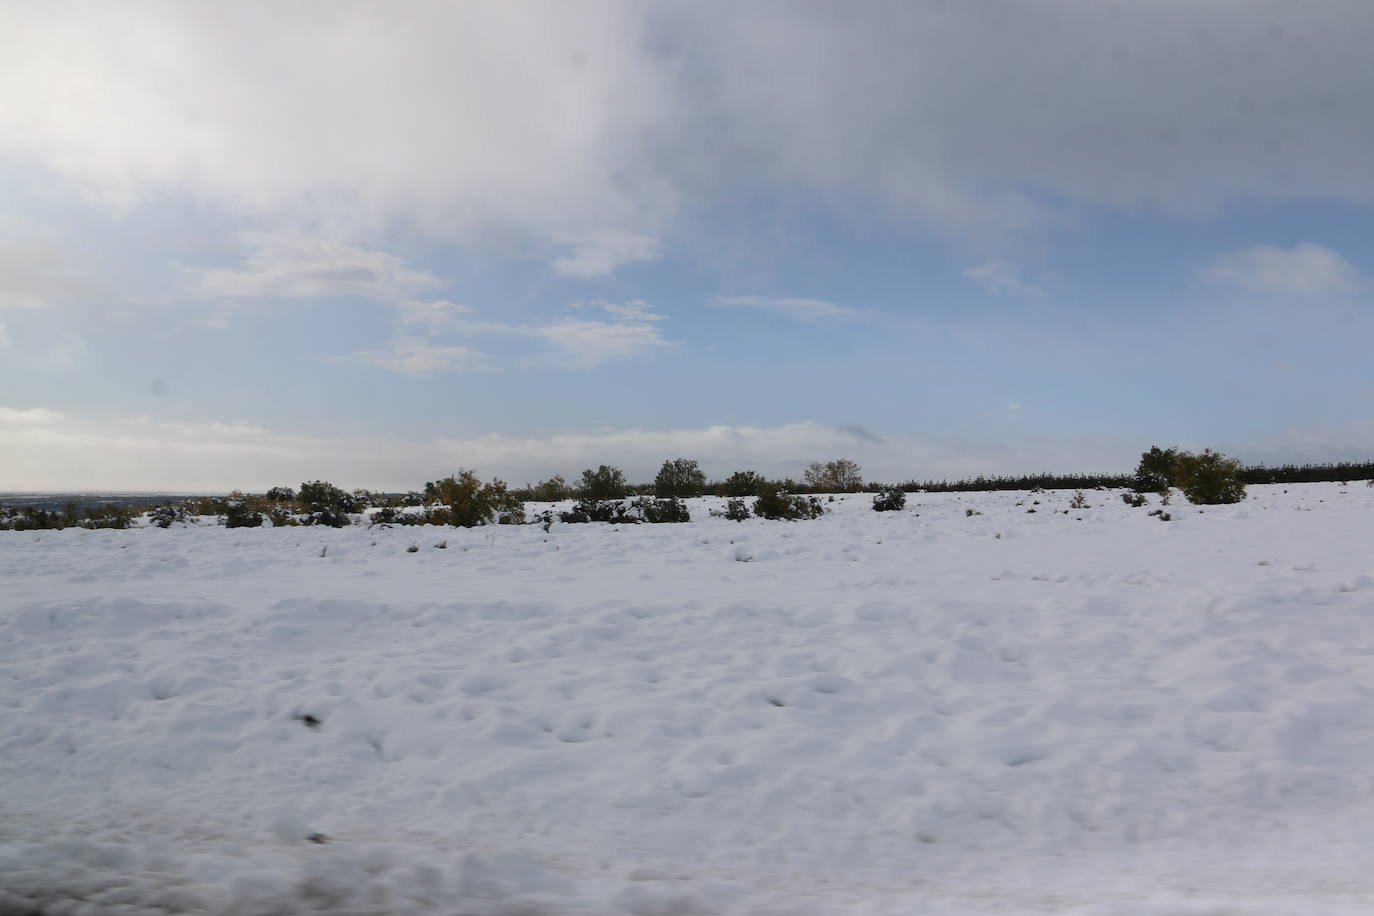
(1250, 474)
(983, 483)
(1308, 473)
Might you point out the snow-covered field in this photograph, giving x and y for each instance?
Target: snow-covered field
(918, 712)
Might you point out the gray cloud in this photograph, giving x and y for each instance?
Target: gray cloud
(862, 433)
(289, 265)
(36, 273)
(588, 126)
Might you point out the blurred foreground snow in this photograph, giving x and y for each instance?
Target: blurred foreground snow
(890, 713)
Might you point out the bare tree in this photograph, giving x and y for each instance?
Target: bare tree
(838, 476)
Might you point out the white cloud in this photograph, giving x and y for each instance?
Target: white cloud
(587, 344)
(48, 450)
(998, 277)
(290, 265)
(1304, 270)
(799, 309)
(418, 357)
(578, 343)
(634, 310)
(554, 121)
(34, 416)
(434, 317)
(410, 355)
(597, 254)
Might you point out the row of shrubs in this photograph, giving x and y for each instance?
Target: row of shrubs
(32, 518)
(604, 495)
(462, 500)
(683, 478)
(469, 505)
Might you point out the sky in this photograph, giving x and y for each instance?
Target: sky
(250, 244)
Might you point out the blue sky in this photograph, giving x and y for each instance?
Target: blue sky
(251, 244)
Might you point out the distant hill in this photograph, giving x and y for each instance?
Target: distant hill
(52, 501)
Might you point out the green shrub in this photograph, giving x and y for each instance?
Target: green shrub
(31, 518)
(604, 483)
(773, 502)
(889, 500)
(659, 511)
(578, 514)
(321, 494)
(599, 510)
(167, 515)
(626, 512)
(553, 490)
(325, 504)
(737, 510)
(1156, 470)
(280, 516)
(742, 484)
(1135, 500)
(28, 518)
(387, 515)
(281, 495)
(1208, 479)
(206, 505)
(238, 514)
(107, 517)
(467, 502)
(329, 517)
(679, 478)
